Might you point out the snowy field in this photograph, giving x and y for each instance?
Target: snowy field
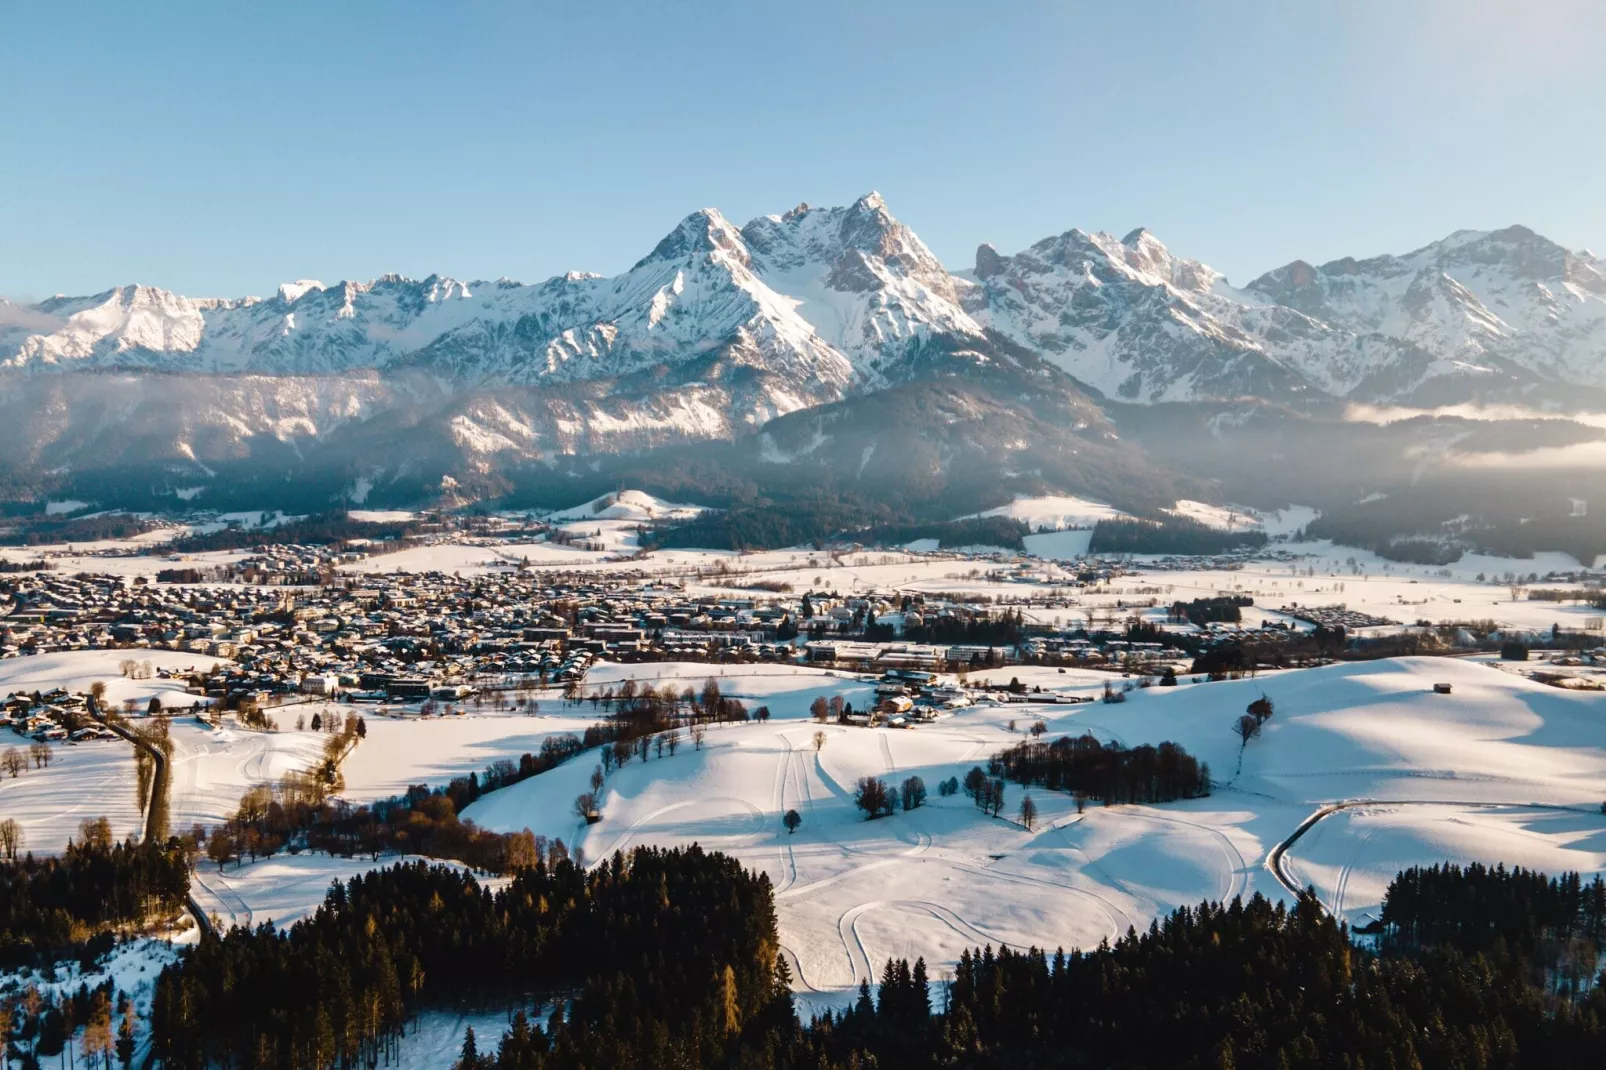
(77, 670)
(84, 781)
(402, 751)
(1350, 856)
(213, 767)
(282, 889)
(936, 880)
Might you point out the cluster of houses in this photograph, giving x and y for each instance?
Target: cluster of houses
(437, 636)
(51, 717)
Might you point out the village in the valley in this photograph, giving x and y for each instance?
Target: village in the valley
(550, 677)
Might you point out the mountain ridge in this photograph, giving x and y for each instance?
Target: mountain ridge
(825, 299)
(720, 330)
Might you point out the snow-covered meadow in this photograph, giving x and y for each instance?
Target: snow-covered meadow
(930, 882)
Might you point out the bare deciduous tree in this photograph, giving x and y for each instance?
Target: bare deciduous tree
(11, 839)
(873, 798)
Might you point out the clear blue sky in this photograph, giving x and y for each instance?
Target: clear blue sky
(221, 148)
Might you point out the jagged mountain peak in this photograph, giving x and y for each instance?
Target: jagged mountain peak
(290, 292)
(988, 262)
(704, 231)
(871, 202)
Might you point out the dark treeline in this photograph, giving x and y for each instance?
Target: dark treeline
(1220, 660)
(1431, 525)
(1477, 908)
(669, 959)
(319, 530)
(1249, 985)
(998, 531)
(83, 529)
(50, 906)
(1108, 772)
(1002, 630)
(1176, 535)
(40, 565)
(765, 524)
(1222, 609)
(771, 524)
(663, 958)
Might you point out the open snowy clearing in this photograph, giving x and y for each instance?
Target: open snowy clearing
(78, 670)
(285, 888)
(1054, 512)
(1350, 856)
(399, 752)
(933, 881)
(84, 781)
(213, 767)
(474, 558)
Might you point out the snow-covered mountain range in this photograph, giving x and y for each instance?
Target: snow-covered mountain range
(820, 302)
(720, 329)
(814, 298)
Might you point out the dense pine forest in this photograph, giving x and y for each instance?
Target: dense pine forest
(1478, 908)
(660, 959)
(50, 906)
(1175, 535)
(671, 959)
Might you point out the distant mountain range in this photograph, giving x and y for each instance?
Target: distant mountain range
(721, 329)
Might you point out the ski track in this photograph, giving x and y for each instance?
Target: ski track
(1342, 888)
(1110, 909)
(783, 770)
(629, 833)
(797, 968)
(838, 878)
(858, 953)
(240, 908)
(1237, 875)
(1278, 859)
(847, 927)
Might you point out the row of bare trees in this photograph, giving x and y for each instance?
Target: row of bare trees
(15, 760)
